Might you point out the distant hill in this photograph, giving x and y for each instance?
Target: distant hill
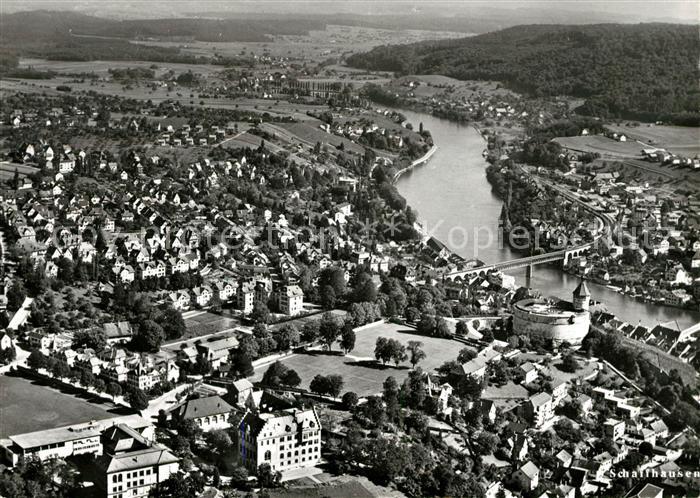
(62, 35)
(642, 71)
(42, 25)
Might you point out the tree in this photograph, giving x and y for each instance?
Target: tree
(328, 329)
(382, 349)
(365, 290)
(290, 378)
(335, 278)
(426, 326)
(328, 297)
(149, 337)
(310, 331)
(114, 389)
(241, 364)
(137, 399)
(261, 313)
(335, 385)
(441, 328)
(569, 363)
(172, 323)
(288, 337)
(36, 360)
(398, 353)
(219, 440)
(416, 354)
(87, 378)
(93, 338)
(267, 478)
(319, 384)
(278, 374)
(347, 338)
(461, 328)
(99, 385)
(60, 370)
(350, 400)
(15, 295)
(466, 354)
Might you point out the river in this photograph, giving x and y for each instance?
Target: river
(455, 204)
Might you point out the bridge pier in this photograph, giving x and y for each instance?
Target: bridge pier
(528, 272)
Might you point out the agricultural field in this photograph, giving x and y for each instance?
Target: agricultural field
(28, 406)
(201, 323)
(644, 171)
(317, 45)
(309, 135)
(362, 374)
(606, 147)
(682, 140)
(101, 68)
(7, 170)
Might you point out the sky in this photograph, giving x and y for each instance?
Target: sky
(570, 10)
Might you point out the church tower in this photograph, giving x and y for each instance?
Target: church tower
(582, 297)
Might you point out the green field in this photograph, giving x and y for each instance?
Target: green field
(606, 147)
(28, 406)
(359, 370)
(7, 170)
(683, 140)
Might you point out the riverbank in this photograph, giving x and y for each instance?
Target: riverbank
(421, 160)
(457, 205)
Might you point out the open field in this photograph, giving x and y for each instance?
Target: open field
(203, 323)
(309, 135)
(604, 146)
(7, 170)
(27, 406)
(671, 177)
(359, 370)
(318, 45)
(102, 67)
(681, 140)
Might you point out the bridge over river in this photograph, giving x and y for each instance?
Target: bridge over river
(604, 229)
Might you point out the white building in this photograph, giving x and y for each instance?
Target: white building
(286, 440)
(131, 464)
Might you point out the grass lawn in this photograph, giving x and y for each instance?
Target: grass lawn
(359, 370)
(30, 405)
(604, 146)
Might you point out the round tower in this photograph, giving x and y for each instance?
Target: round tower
(582, 297)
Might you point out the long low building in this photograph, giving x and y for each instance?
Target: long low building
(75, 439)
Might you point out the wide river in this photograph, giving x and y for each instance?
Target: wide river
(455, 204)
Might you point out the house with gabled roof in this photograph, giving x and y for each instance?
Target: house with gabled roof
(131, 464)
(209, 413)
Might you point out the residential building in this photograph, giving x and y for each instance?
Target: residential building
(286, 440)
(291, 300)
(539, 409)
(131, 464)
(209, 413)
(241, 390)
(528, 476)
(216, 352)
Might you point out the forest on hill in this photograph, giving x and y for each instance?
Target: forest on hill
(643, 71)
(72, 36)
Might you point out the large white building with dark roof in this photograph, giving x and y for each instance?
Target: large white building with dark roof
(131, 464)
(286, 440)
